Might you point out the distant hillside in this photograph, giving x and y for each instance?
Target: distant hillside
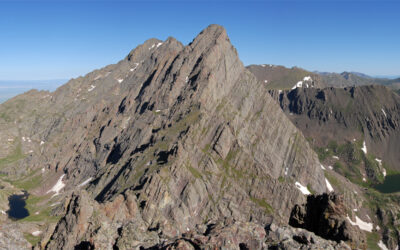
(9, 89)
(280, 77)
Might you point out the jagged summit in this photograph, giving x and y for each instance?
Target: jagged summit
(172, 140)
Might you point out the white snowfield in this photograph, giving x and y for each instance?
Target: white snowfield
(364, 148)
(329, 186)
(361, 224)
(85, 182)
(58, 186)
(382, 246)
(302, 188)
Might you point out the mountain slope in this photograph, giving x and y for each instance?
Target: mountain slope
(173, 139)
(367, 114)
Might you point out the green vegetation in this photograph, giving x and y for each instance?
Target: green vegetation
(16, 155)
(262, 203)
(194, 171)
(32, 239)
(372, 241)
(39, 205)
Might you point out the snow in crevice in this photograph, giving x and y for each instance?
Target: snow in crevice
(364, 148)
(383, 111)
(323, 168)
(152, 46)
(361, 224)
(91, 88)
(286, 170)
(58, 186)
(159, 44)
(158, 110)
(187, 79)
(85, 182)
(120, 80)
(302, 188)
(382, 245)
(97, 77)
(2, 212)
(329, 186)
(136, 65)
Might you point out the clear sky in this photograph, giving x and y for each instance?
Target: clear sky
(65, 39)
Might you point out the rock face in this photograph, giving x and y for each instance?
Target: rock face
(167, 142)
(326, 215)
(367, 114)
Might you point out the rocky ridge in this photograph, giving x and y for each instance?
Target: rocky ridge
(158, 149)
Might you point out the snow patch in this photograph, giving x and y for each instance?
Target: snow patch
(41, 142)
(323, 168)
(120, 80)
(97, 77)
(364, 148)
(36, 233)
(158, 111)
(263, 65)
(158, 45)
(152, 46)
(2, 211)
(302, 188)
(265, 81)
(383, 111)
(286, 171)
(10, 140)
(54, 204)
(279, 91)
(30, 151)
(382, 246)
(330, 167)
(329, 186)
(85, 182)
(43, 170)
(355, 209)
(361, 224)
(307, 78)
(335, 157)
(23, 138)
(58, 186)
(91, 88)
(298, 85)
(187, 79)
(364, 180)
(136, 65)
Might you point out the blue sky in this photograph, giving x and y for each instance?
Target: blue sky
(65, 39)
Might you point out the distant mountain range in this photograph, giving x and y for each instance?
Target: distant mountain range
(11, 88)
(280, 77)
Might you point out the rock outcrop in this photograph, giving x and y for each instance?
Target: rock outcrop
(326, 216)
